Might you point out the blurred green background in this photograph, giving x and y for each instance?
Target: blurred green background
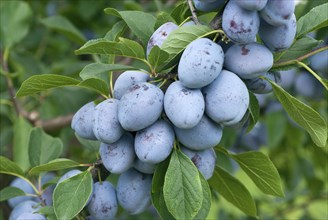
(49, 48)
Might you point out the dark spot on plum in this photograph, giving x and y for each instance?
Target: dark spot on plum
(145, 88)
(208, 53)
(286, 17)
(143, 177)
(132, 77)
(105, 209)
(185, 91)
(134, 87)
(196, 159)
(164, 33)
(233, 24)
(244, 50)
(213, 67)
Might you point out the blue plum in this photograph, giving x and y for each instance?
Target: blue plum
(200, 63)
(23, 185)
(226, 99)
(144, 167)
(133, 191)
(184, 107)
(27, 206)
(208, 5)
(106, 127)
(278, 12)
(278, 38)
(253, 5)
(103, 203)
(248, 61)
(159, 36)
(47, 193)
(31, 216)
(240, 25)
(308, 86)
(140, 106)
(118, 156)
(261, 86)
(154, 143)
(204, 135)
(83, 121)
(204, 160)
(288, 78)
(126, 80)
(69, 174)
(319, 62)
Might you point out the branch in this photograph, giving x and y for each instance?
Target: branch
(55, 123)
(193, 12)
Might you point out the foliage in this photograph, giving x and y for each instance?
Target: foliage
(55, 70)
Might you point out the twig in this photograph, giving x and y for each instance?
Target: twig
(55, 123)
(193, 12)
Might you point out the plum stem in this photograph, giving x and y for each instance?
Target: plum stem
(193, 12)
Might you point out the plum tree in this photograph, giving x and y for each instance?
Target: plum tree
(197, 73)
(184, 107)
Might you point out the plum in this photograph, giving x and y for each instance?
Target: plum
(23, 185)
(31, 216)
(27, 206)
(240, 25)
(252, 5)
(144, 167)
(278, 12)
(204, 135)
(248, 61)
(103, 203)
(261, 86)
(226, 99)
(118, 156)
(184, 107)
(200, 63)
(288, 78)
(126, 80)
(154, 143)
(106, 127)
(278, 38)
(208, 5)
(159, 36)
(83, 120)
(204, 160)
(133, 191)
(69, 174)
(140, 106)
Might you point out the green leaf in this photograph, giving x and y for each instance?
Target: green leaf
(71, 195)
(303, 115)
(254, 110)
(22, 131)
(9, 167)
(233, 191)
(179, 39)
(39, 83)
(157, 58)
(10, 192)
(98, 70)
(54, 165)
(163, 18)
(178, 13)
(117, 31)
(315, 19)
(157, 195)
(140, 23)
(299, 48)
(91, 145)
(48, 211)
(15, 19)
(124, 47)
(182, 189)
(43, 147)
(261, 170)
(206, 204)
(95, 84)
(63, 25)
